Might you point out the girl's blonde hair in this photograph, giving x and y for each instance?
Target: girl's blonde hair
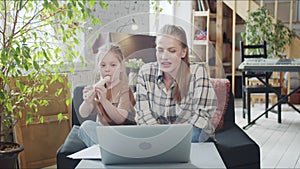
(104, 50)
(183, 75)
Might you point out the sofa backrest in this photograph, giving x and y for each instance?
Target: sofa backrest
(76, 102)
(229, 119)
(229, 116)
(222, 89)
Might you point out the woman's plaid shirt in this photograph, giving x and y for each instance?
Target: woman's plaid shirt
(155, 104)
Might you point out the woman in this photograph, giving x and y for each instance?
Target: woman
(113, 99)
(172, 91)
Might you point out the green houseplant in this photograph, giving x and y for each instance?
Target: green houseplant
(37, 39)
(134, 63)
(132, 67)
(261, 27)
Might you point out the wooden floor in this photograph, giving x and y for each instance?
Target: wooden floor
(279, 143)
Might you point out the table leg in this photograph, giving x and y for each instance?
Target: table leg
(282, 100)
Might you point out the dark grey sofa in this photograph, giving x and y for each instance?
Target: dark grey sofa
(236, 148)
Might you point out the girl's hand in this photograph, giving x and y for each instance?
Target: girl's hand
(101, 93)
(88, 93)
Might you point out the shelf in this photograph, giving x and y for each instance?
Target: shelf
(205, 14)
(203, 21)
(200, 42)
(227, 63)
(203, 42)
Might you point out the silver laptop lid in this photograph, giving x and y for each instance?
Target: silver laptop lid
(145, 144)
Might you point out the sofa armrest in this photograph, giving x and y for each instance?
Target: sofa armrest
(237, 149)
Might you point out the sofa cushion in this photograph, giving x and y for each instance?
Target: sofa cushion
(222, 89)
(236, 148)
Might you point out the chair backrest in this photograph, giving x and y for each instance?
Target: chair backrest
(76, 102)
(248, 50)
(254, 51)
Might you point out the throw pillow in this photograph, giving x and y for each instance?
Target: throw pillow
(222, 89)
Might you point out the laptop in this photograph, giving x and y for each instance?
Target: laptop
(145, 143)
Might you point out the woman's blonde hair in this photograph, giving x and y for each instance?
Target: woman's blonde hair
(111, 47)
(183, 75)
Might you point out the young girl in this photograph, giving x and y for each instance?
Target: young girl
(113, 100)
(172, 90)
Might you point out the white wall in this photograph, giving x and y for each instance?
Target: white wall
(178, 13)
(183, 13)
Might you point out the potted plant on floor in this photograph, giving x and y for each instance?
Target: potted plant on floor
(37, 39)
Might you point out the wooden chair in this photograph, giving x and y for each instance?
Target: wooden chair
(260, 97)
(248, 89)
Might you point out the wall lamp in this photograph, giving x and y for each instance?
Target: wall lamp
(131, 23)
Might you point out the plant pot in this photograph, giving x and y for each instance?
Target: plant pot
(9, 158)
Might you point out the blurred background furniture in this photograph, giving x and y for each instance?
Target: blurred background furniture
(255, 52)
(294, 83)
(260, 98)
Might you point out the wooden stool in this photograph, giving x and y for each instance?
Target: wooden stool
(260, 98)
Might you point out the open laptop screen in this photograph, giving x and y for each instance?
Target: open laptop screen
(145, 144)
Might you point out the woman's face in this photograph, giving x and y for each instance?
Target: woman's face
(110, 66)
(169, 53)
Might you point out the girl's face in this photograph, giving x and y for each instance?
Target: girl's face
(169, 53)
(110, 66)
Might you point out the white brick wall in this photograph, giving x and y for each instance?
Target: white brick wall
(80, 78)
